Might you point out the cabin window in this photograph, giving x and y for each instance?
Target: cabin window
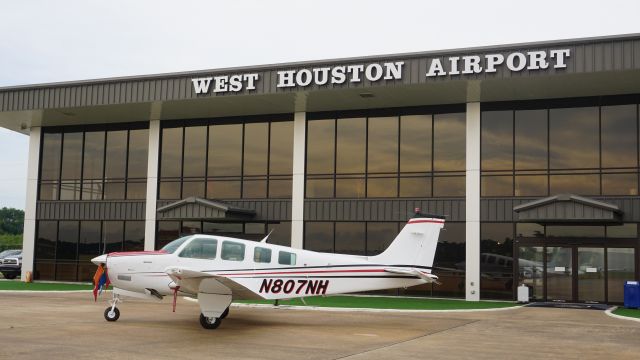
(232, 251)
(200, 249)
(286, 258)
(261, 255)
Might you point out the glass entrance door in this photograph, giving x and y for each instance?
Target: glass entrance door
(591, 274)
(559, 273)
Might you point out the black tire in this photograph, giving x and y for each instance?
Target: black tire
(111, 316)
(208, 324)
(225, 313)
(10, 276)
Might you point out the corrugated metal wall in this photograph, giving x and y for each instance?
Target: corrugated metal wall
(587, 56)
(381, 210)
(191, 211)
(90, 210)
(266, 210)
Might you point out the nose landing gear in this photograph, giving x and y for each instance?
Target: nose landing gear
(112, 313)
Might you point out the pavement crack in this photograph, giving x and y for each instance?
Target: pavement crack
(406, 341)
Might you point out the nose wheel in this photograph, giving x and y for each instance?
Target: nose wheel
(210, 323)
(111, 313)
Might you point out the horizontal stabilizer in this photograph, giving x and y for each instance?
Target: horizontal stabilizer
(429, 278)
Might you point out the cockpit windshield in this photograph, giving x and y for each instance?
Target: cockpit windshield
(171, 247)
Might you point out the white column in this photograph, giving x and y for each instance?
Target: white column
(297, 191)
(152, 185)
(472, 287)
(29, 233)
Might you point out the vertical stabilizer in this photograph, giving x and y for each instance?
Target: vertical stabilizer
(415, 244)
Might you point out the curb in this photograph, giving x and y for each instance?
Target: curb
(610, 311)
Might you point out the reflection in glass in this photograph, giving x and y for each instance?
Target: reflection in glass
(351, 145)
(193, 188)
(496, 185)
(138, 153)
(496, 260)
(350, 238)
(621, 267)
(349, 188)
(112, 234)
(114, 190)
(46, 241)
(93, 156)
(619, 136)
(89, 244)
(318, 236)
(383, 145)
(590, 274)
(379, 236)
(136, 190)
(415, 186)
(382, 187)
(531, 270)
(531, 185)
(254, 189)
(530, 139)
(72, 156)
(171, 154)
(256, 148)
(279, 188)
(625, 231)
(574, 138)
(449, 142)
(559, 274)
(450, 254)
(620, 184)
(169, 190)
(116, 158)
(225, 150)
(167, 232)
(497, 140)
(319, 188)
(575, 231)
(134, 235)
(529, 230)
(70, 190)
(190, 227)
(51, 152)
(67, 247)
(223, 189)
(582, 184)
(281, 151)
(320, 146)
(415, 143)
(449, 186)
(195, 151)
(49, 191)
(280, 233)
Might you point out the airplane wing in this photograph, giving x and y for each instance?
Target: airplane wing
(194, 281)
(429, 278)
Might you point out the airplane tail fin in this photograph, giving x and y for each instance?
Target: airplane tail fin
(415, 244)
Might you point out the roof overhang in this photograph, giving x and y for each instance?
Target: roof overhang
(568, 209)
(595, 67)
(194, 208)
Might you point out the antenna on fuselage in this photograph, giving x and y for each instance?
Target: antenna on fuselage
(266, 237)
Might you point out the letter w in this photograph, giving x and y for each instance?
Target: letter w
(201, 85)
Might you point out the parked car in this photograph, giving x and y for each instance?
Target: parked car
(11, 263)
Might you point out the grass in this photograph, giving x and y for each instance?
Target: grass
(634, 313)
(38, 286)
(378, 302)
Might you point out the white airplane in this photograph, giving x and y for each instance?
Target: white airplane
(217, 270)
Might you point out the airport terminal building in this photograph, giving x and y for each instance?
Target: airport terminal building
(531, 151)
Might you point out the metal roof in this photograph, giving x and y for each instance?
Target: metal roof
(569, 209)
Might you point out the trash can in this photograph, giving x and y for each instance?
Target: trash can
(632, 294)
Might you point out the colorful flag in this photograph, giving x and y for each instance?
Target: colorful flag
(100, 281)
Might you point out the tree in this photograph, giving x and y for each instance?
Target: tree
(11, 221)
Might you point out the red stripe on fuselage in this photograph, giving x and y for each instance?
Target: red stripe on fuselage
(416, 221)
(305, 272)
(137, 253)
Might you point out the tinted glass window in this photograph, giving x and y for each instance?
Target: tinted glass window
(116, 160)
(531, 139)
(281, 152)
(318, 236)
(280, 233)
(320, 146)
(171, 153)
(72, 156)
(93, 155)
(256, 149)
(350, 238)
(619, 136)
(47, 239)
(379, 236)
(497, 140)
(171, 247)
(200, 249)
(138, 153)
(225, 150)
(449, 142)
(134, 235)
(351, 145)
(415, 143)
(232, 251)
(261, 255)
(195, 152)
(573, 138)
(286, 258)
(383, 145)
(496, 271)
(167, 232)
(89, 244)
(51, 152)
(67, 240)
(113, 232)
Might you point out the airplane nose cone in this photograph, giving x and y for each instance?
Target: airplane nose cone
(102, 259)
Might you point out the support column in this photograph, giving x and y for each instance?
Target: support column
(152, 184)
(297, 191)
(472, 282)
(29, 233)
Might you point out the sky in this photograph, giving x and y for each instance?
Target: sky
(50, 41)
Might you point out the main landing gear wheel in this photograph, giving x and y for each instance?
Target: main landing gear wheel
(209, 323)
(111, 315)
(224, 314)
